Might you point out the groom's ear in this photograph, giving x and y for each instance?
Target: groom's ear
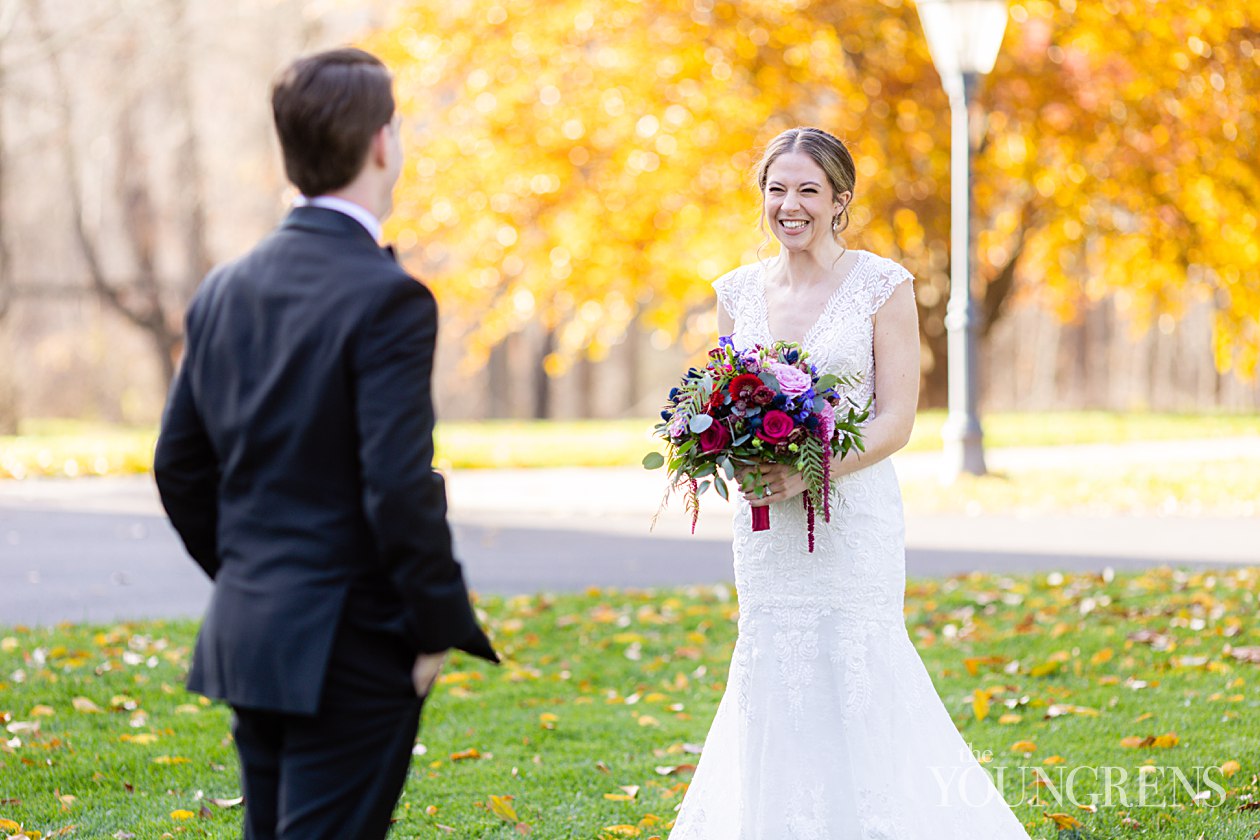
(378, 151)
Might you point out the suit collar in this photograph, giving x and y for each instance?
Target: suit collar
(327, 222)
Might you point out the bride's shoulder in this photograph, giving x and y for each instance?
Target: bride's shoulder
(883, 278)
(885, 265)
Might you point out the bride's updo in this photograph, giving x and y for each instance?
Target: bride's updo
(827, 151)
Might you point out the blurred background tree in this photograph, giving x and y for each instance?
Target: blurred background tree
(586, 163)
(579, 171)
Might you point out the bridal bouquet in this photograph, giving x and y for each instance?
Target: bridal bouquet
(749, 407)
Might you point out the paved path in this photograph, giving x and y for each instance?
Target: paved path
(99, 549)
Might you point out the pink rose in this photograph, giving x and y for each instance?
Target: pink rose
(715, 438)
(776, 426)
(792, 381)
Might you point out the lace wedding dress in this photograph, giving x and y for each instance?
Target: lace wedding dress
(830, 727)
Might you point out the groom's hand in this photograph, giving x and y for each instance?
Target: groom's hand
(425, 672)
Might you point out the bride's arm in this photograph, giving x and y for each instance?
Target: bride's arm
(896, 382)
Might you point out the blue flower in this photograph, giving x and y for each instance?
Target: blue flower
(792, 357)
(811, 422)
(779, 402)
(725, 341)
(665, 415)
(673, 393)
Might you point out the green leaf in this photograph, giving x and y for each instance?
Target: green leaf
(826, 381)
(653, 461)
(728, 468)
(721, 488)
(704, 485)
(700, 423)
(708, 469)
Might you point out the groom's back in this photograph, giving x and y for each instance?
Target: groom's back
(273, 340)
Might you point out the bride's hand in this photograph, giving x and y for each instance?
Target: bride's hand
(781, 482)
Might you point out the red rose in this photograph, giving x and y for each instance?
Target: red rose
(745, 385)
(715, 438)
(776, 426)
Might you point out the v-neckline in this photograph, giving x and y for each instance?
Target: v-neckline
(831, 299)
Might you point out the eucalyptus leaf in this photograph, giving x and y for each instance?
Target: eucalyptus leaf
(721, 488)
(704, 485)
(700, 423)
(653, 461)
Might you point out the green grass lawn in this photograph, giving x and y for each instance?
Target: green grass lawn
(587, 730)
(74, 448)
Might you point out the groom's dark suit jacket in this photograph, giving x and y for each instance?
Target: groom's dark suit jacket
(295, 461)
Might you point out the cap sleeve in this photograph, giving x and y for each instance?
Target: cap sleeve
(727, 290)
(888, 276)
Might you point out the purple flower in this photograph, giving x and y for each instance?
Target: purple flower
(792, 381)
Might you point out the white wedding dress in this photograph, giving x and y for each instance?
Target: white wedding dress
(830, 727)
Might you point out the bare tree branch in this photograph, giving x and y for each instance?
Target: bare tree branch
(145, 310)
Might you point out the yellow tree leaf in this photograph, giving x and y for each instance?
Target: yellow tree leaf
(980, 704)
(501, 807)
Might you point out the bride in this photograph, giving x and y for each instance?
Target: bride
(830, 727)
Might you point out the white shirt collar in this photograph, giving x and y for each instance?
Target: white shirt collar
(355, 211)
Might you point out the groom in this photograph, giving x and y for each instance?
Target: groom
(295, 460)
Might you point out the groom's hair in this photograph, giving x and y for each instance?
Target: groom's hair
(327, 107)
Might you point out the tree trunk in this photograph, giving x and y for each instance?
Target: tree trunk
(542, 382)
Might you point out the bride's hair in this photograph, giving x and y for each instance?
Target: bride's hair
(826, 150)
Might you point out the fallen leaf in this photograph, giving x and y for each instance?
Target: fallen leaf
(1165, 741)
(227, 803)
(980, 704)
(170, 759)
(139, 738)
(1231, 767)
(973, 663)
(10, 825)
(82, 704)
(43, 711)
(181, 814)
(501, 807)
(622, 830)
(462, 755)
(548, 720)
(668, 770)
(1023, 746)
(1064, 821)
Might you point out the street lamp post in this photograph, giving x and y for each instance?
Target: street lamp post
(963, 37)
